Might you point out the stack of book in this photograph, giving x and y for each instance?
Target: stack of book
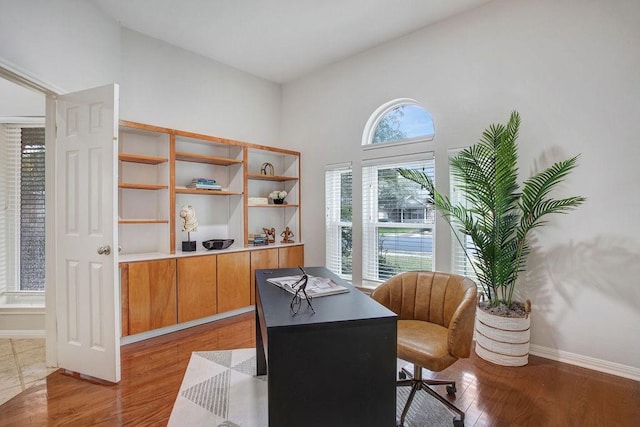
(204, 184)
(258, 240)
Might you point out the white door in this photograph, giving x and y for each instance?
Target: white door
(86, 242)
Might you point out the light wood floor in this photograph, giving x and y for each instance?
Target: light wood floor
(543, 393)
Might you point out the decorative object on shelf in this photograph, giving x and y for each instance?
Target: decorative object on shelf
(286, 235)
(217, 243)
(257, 201)
(267, 169)
(189, 224)
(271, 234)
(497, 216)
(278, 197)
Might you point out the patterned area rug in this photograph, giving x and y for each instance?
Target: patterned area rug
(220, 389)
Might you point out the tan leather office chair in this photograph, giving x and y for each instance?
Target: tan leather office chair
(436, 314)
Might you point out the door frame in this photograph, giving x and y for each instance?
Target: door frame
(23, 78)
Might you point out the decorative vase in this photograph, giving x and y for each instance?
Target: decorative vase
(278, 201)
(502, 340)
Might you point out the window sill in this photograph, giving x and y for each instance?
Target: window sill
(21, 302)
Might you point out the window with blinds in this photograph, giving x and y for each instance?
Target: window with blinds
(398, 218)
(462, 248)
(22, 184)
(338, 229)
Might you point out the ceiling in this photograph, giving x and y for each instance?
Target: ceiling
(279, 40)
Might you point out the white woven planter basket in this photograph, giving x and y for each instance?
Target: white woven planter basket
(502, 340)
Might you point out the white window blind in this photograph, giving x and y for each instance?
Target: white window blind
(461, 262)
(338, 227)
(10, 212)
(22, 215)
(398, 218)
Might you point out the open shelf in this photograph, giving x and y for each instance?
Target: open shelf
(200, 158)
(136, 158)
(143, 221)
(207, 192)
(274, 206)
(279, 178)
(142, 186)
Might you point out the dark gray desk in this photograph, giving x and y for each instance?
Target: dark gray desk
(336, 367)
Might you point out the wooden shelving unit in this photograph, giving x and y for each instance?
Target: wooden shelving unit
(163, 161)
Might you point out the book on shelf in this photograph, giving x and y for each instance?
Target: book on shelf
(204, 184)
(316, 286)
(258, 240)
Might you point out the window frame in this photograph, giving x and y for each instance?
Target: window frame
(371, 223)
(380, 113)
(11, 159)
(333, 218)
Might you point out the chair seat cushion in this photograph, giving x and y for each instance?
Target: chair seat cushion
(424, 344)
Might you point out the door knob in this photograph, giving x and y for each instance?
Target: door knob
(104, 250)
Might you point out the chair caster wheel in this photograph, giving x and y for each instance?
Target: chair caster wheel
(403, 376)
(451, 389)
(458, 423)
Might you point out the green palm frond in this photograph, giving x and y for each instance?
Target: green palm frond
(495, 214)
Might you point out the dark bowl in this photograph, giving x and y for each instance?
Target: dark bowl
(217, 243)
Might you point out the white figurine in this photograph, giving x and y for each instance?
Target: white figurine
(189, 220)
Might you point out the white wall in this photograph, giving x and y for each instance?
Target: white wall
(168, 86)
(16, 100)
(67, 44)
(571, 69)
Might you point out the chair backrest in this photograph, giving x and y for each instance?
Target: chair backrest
(448, 300)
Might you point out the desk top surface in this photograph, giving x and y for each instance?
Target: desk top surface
(351, 306)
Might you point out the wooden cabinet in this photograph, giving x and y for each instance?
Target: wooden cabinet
(291, 256)
(196, 287)
(282, 257)
(261, 258)
(151, 295)
(161, 293)
(233, 280)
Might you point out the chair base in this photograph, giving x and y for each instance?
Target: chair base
(418, 383)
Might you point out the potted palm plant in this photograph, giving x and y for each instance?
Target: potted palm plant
(497, 216)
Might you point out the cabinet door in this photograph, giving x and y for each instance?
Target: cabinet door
(233, 281)
(263, 258)
(196, 287)
(292, 256)
(152, 295)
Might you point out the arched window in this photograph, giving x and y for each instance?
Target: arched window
(401, 120)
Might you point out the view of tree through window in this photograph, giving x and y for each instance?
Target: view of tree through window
(403, 122)
(398, 221)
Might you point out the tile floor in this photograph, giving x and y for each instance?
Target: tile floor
(22, 365)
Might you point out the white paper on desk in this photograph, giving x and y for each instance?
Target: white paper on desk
(316, 286)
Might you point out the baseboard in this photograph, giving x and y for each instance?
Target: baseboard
(130, 339)
(24, 334)
(586, 362)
